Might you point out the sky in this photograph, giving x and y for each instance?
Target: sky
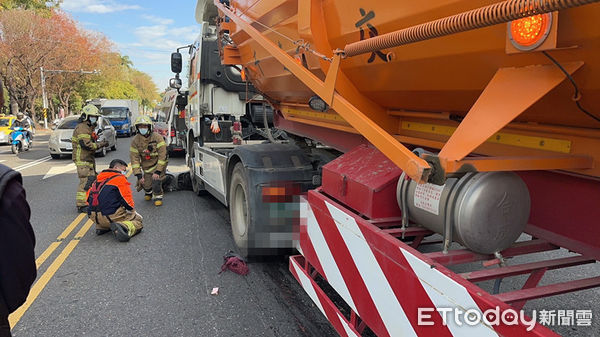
(146, 31)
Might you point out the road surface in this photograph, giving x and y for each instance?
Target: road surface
(159, 283)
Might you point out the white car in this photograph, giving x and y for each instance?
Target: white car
(60, 140)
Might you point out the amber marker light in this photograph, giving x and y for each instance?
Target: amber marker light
(530, 32)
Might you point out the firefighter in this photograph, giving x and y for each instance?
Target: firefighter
(148, 154)
(85, 146)
(111, 205)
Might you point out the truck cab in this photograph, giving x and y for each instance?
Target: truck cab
(121, 113)
(234, 153)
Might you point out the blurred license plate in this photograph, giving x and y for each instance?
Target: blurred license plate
(69, 147)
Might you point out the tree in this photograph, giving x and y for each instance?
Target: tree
(145, 87)
(79, 50)
(24, 49)
(32, 38)
(39, 5)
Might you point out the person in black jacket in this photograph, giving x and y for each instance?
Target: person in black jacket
(17, 242)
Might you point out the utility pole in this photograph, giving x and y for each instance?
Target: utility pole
(43, 80)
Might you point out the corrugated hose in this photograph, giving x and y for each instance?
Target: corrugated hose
(498, 13)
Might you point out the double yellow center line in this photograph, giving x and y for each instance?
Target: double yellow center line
(41, 283)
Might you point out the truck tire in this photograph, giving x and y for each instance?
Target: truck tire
(240, 211)
(196, 185)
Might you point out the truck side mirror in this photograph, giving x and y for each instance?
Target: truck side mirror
(176, 62)
(175, 83)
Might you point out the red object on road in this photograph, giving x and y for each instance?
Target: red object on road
(235, 263)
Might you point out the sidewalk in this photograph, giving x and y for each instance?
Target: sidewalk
(42, 131)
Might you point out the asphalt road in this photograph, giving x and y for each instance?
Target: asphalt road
(159, 283)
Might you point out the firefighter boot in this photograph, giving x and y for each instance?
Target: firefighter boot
(148, 196)
(102, 231)
(120, 231)
(157, 192)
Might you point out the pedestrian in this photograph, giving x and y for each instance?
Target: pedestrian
(111, 205)
(84, 151)
(148, 153)
(17, 242)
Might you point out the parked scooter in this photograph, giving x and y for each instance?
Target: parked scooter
(19, 140)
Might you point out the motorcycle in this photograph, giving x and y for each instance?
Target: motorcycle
(19, 140)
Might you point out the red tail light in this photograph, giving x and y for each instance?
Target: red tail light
(281, 192)
(172, 132)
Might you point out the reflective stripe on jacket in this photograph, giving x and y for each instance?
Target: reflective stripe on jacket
(148, 154)
(84, 147)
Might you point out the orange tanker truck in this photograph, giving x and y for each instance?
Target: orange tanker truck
(421, 148)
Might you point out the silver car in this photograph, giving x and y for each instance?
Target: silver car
(60, 140)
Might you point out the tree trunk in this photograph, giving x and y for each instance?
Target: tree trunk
(68, 99)
(52, 111)
(14, 106)
(31, 104)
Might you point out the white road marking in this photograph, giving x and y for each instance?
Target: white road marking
(32, 164)
(54, 171)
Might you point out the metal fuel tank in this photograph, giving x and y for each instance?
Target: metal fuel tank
(483, 211)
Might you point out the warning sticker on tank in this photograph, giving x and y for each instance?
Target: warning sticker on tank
(427, 197)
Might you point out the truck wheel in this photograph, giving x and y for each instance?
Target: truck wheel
(239, 210)
(196, 185)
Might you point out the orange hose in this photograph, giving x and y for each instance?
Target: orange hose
(498, 13)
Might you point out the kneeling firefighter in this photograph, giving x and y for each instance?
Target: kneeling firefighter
(111, 205)
(148, 153)
(84, 148)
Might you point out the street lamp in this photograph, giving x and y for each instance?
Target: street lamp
(57, 71)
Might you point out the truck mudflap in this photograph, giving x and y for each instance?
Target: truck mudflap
(391, 287)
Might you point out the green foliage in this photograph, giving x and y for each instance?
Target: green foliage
(37, 5)
(120, 89)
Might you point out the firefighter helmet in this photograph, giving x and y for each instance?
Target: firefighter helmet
(89, 110)
(143, 120)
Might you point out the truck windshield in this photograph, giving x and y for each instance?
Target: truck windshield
(114, 113)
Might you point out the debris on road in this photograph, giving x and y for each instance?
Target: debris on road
(215, 291)
(235, 263)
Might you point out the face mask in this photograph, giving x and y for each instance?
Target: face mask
(143, 131)
(124, 172)
(93, 120)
